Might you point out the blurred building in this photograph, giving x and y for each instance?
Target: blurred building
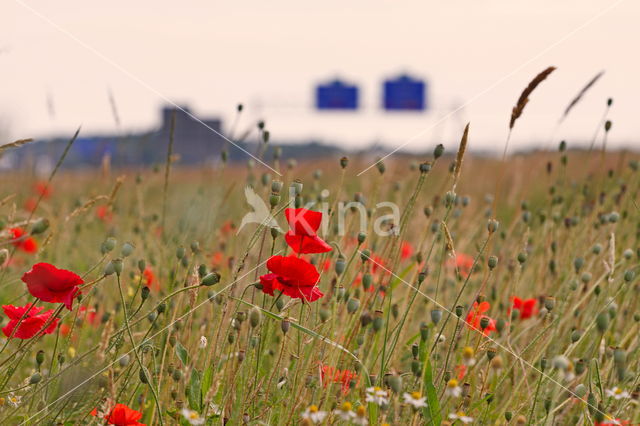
(196, 141)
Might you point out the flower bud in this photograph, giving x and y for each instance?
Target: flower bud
(210, 279)
(285, 325)
(602, 321)
(40, 357)
(255, 316)
(340, 265)
(395, 383)
(438, 151)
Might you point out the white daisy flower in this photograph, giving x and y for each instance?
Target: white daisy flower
(314, 415)
(345, 412)
(361, 416)
(460, 416)
(192, 416)
(467, 356)
(617, 393)
(14, 400)
(415, 400)
(453, 389)
(377, 395)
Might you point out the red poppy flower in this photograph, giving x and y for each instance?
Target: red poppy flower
(526, 307)
(104, 213)
(302, 237)
(294, 277)
(23, 241)
(43, 189)
(406, 250)
(462, 371)
(121, 415)
(476, 314)
(30, 204)
(462, 262)
(329, 374)
(149, 278)
(32, 323)
(51, 284)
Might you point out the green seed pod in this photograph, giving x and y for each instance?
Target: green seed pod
(353, 305)
(142, 265)
(425, 167)
(580, 367)
(344, 162)
(436, 316)
(628, 275)
(340, 265)
(144, 378)
(324, 314)
(361, 237)
(274, 200)
(127, 249)
(378, 321)
(39, 357)
(367, 280)
(144, 293)
(381, 167)
(424, 332)
(40, 226)
(109, 244)
(416, 368)
(35, 378)
(549, 303)
(255, 317)
(297, 186)
(580, 390)
(575, 336)
(285, 324)
(365, 255)
(152, 316)
(493, 225)
(124, 360)
(180, 252)
(176, 375)
(395, 383)
(211, 279)
(500, 325)
(522, 257)
(438, 151)
(109, 269)
(602, 321)
(365, 319)
(460, 311)
(484, 322)
(195, 247)
(492, 262)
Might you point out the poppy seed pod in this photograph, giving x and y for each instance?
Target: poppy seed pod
(438, 151)
(365, 255)
(144, 378)
(297, 186)
(353, 305)
(285, 324)
(381, 167)
(492, 262)
(367, 280)
(210, 279)
(425, 167)
(365, 319)
(324, 314)
(607, 125)
(35, 378)
(602, 321)
(255, 316)
(144, 293)
(123, 361)
(40, 226)
(340, 265)
(142, 265)
(436, 315)
(127, 249)
(344, 162)
(395, 383)
(492, 225)
(109, 268)
(180, 252)
(378, 321)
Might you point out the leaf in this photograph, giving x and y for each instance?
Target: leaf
(432, 411)
(182, 353)
(207, 380)
(194, 392)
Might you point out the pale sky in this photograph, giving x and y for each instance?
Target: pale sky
(269, 54)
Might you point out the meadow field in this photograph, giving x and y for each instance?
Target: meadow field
(445, 288)
(501, 292)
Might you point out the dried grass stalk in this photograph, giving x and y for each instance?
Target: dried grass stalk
(581, 94)
(460, 156)
(524, 96)
(15, 144)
